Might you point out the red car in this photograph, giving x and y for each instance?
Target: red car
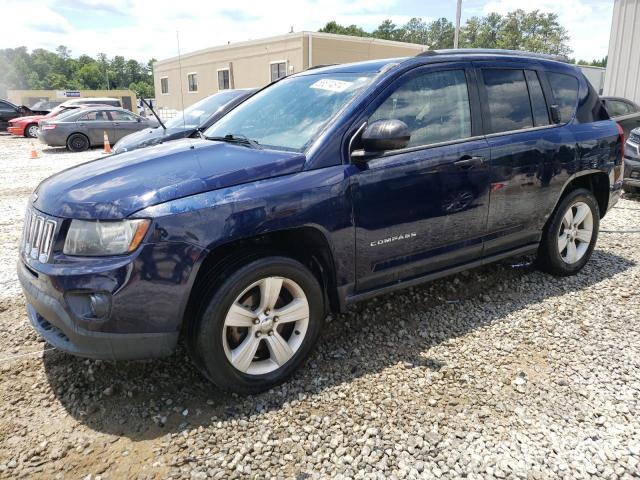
(28, 126)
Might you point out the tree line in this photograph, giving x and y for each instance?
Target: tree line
(42, 69)
(533, 31)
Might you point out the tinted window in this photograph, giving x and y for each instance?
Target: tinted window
(223, 79)
(118, 116)
(565, 91)
(6, 107)
(94, 117)
(617, 108)
(508, 100)
(538, 103)
(435, 106)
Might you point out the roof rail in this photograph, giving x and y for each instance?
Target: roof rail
(322, 65)
(492, 51)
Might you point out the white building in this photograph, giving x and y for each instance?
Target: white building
(623, 66)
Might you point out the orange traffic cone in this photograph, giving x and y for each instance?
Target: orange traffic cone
(107, 146)
(34, 152)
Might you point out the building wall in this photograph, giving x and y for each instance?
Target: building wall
(248, 61)
(595, 75)
(623, 65)
(326, 49)
(29, 97)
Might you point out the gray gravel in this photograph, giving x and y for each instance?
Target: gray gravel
(501, 372)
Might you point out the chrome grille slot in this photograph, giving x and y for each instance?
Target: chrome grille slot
(634, 137)
(38, 235)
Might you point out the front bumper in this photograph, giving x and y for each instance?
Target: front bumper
(53, 319)
(18, 131)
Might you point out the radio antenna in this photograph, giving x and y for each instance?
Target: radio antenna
(180, 79)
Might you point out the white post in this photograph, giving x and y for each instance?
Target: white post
(457, 33)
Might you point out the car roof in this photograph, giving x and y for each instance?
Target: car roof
(435, 56)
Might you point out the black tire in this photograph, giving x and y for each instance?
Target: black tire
(205, 336)
(29, 131)
(549, 258)
(631, 190)
(77, 142)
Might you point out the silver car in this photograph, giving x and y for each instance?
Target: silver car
(86, 127)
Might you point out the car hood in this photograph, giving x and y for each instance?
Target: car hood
(150, 136)
(116, 186)
(30, 118)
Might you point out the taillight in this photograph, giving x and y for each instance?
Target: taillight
(48, 127)
(621, 132)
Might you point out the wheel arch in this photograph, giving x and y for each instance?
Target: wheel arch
(308, 244)
(595, 181)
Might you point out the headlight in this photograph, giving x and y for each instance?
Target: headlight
(97, 238)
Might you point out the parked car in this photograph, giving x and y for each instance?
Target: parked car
(28, 126)
(8, 111)
(623, 111)
(632, 162)
(196, 118)
(85, 128)
(327, 187)
(45, 105)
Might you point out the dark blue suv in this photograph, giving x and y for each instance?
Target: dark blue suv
(323, 189)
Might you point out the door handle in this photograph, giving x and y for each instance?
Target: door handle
(467, 162)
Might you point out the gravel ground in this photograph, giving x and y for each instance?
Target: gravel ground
(500, 372)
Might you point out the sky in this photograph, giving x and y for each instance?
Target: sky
(145, 29)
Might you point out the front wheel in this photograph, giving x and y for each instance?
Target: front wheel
(258, 325)
(570, 235)
(31, 131)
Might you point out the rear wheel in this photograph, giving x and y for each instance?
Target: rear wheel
(570, 235)
(256, 328)
(78, 143)
(31, 130)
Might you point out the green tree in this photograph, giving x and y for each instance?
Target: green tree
(334, 27)
(440, 34)
(387, 30)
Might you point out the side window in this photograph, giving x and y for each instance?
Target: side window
(565, 91)
(508, 100)
(94, 117)
(434, 105)
(538, 102)
(5, 107)
(119, 116)
(617, 108)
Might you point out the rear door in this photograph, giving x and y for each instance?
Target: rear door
(526, 153)
(423, 208)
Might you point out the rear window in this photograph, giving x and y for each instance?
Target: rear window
(508, 100)
(565, 91)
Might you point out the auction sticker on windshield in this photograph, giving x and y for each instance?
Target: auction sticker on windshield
(331, 85)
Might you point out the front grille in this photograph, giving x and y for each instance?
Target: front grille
(38, 236)
(634, 137)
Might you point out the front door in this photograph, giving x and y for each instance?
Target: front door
(94, 124)
(423, 208)
(123, 124)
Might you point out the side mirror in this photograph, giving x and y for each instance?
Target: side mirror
(555, 113)
(385, 135)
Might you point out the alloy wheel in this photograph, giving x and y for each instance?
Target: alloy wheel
(33, 131)
(266, 325)
(576, 232)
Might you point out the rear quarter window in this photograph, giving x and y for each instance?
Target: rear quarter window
(565, 91)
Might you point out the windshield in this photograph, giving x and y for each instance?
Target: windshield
(199, 112)
(291, 113)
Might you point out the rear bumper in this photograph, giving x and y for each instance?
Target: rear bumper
(51, 318)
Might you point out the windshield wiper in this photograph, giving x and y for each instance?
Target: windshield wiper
(237, 138)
